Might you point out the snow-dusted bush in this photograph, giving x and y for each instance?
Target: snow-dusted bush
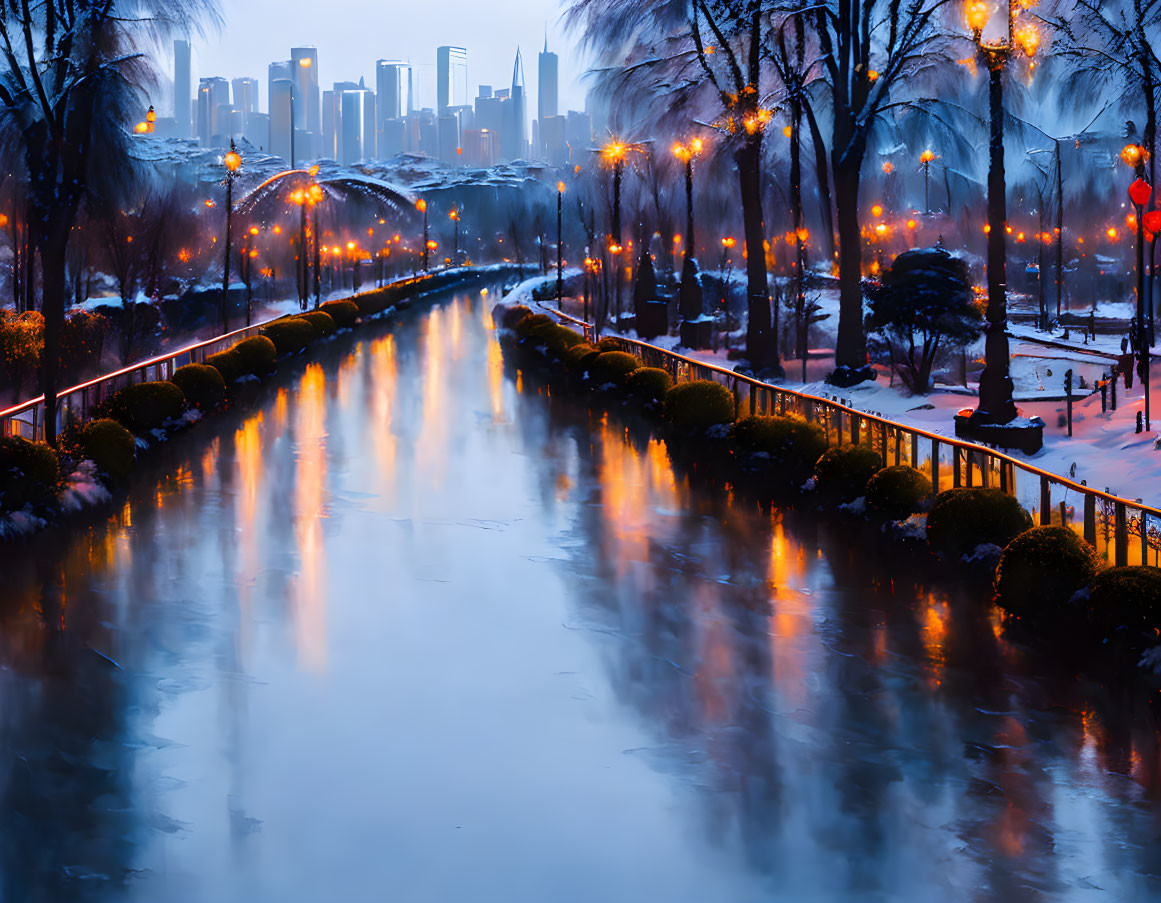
(789, 444)
(107, 444)
(257, 354)
(649, 384)
(613, 367)
(345, 313)
(229, 364)
(143, 407)
(841, 474)
(201, 384)
(323, 322)
(961, 520)
(578, 358)
(698, 405)
(513, 315)
(897, 492)
(291, 335)
(29, 473)
(1041, 570)
(1124, 605)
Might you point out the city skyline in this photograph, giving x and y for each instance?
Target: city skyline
(247, 42)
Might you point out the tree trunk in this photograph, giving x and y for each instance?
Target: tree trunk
(821, 173)
(761, 344)
(52, 257)
(796, 214)
(851, 346)
(1059, 232)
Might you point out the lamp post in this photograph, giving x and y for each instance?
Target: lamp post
(559, 246)
(421, 206)
(925, 158)
(299, 197)
(685, 153)
(233, 161)
(996, 405)
(614, 154)
(1139, 193)
(246, 269)
(454, 216)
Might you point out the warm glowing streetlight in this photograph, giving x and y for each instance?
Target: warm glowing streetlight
(685, 153)
(996, 404)
(614, 153)
(454, 216)
(1139, 193)
(560, 245)
(233, 162)
(925, 158)
(421, 206)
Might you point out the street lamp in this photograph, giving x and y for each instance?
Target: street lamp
(233, 161)
(246, 268)
(314, 197)
(421, 206)
(614, 154)
(685, 153)
(454, 216)
(559, 246)
(1139, 193)
(996, 405)
(925, 158)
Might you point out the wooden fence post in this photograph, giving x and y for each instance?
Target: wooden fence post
(1121, 535)
(1045, 502)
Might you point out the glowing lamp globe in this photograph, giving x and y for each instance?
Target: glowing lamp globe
(233, 161)
(560, 187)
(1131, 155)
(927, 156)
(421, 205)
(1140, 192)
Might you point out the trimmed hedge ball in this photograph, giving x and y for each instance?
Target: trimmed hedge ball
(898, 492)
(320, 320)
(1041, 570)
(608, 343)
(201, 384)
(696, 406)
(558, 339)
(513, 315)
(257, 354)
(790, 443)
(29, 473)
(528, 325)
(649, 383)
(579, 358)
(109, 445)
(344, 312)
(291, 335)
(144, 406)
(961, 520)
(229, 364)
(842, 473)
(613, 367)
(372, 302)
(1124, 603)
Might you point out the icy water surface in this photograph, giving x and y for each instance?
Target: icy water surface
(408, 629)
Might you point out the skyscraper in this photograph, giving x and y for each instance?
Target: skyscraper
(547, 91)
(279, 143)
(515, 132)
(393, 89)
(182, 101)
(245, 99)
(357, 114)
(304, 69)
(451, 77)
(213, 97)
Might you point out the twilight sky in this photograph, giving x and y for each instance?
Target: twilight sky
(352, 34)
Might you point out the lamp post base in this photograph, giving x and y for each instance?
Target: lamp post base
(1023, 433)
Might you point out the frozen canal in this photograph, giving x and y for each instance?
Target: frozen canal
(408, 629)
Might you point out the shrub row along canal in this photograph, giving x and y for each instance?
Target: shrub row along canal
(411, 626)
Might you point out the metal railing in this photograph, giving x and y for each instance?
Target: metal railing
(1121, 530)
(73, 404)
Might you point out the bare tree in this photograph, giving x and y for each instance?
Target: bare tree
(69, 70)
